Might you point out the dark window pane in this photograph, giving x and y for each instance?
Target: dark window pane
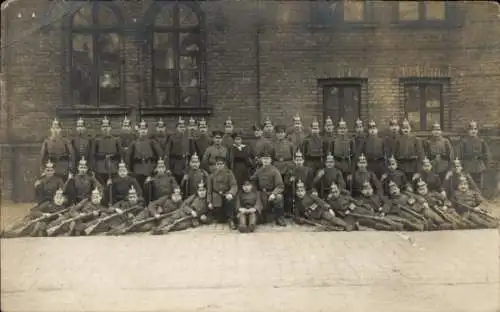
(331, 102)
(189, 79)
(408, 10)
(189, 44)
(412, 97)
(163, 49)
(354, 10)
(190, 97)
(350, 102)
(109, 68)
(433, 96)
(81, 69)
(414, 119)
(105, 16)
(165, 97)
(166, 16)
(435, 10)
(187, 17)
(83, 17)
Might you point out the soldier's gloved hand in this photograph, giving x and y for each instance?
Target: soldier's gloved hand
(148, 179)
(443, 193)
(411, 201)
(426, 205)
(382, 214)
(37, 183)
(448, 175)
(321, 173)
(444, 208)
(313, 207)
(229, 196)
(70, 175)
(119, 211)
(203, 218)
(380, 209)
(383, 177)
(157, 215)
(410, 189)
(477, 209)
(109, 182)
(194, 214)
(45, 214)
(272, 197)
(168, 171)
(95, 213)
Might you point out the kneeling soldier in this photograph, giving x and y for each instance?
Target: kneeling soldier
(471, 205)
(222, 188)
(401, 205)
(47, 185)
(430, 178)
(80, 186)
(249, 208)
(316, 211)
(193, 211)
(330, 174)
(295, 173)
(194, 176)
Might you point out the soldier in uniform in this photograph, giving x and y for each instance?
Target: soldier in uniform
(268, 129)
(343, 149)
(328, 175)
(203, 140)
(80, 186)
(439, 150)
(409, 151)
(248, 207)
(118, 187)
(88, 211)
(217, 149)
(162, 183)
(81, 143)
(283, 151)
(106, 153)
(47, 185)
(316, 209)
(290, 178)
(452, 179)
(472, 206)
(391, 139)
(192, 129)
(359, 136)
(142, 155)
(227, 139)
(395, 175)
(361, 175)
(329, 136)
(161, 136)
(193, 211)
(240, 160)
(58, 150)
(401, 205)
(269, 182)
(373, 147)
(127, 136)
(430, 178)
(296, 134)
(258, 146)
(313, 148)
(193, 176)
(475, 154)
(177, 151)
(222, 189)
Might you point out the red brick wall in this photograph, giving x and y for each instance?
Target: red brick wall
(292, 58)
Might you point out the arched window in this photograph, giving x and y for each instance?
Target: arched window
(176, 55)
(96, 78)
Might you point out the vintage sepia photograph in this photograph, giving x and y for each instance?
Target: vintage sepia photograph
(250, 156)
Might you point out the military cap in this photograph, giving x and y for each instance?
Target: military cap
(105, 122)
(180, 121)
(328, 121)
(342, 123)
(265, 154)
(132, 190)
(436, 126)
(228, 122)
(359, 122)
(220, 158)
(334, 185)
(160, 123)
(80, 122)
(160, 162)
(217, 133)
(49, 165)
(177, 190)
(362, 158)
(392, 184)
(195, 157)
(300, 184)
(82, 161)
(372, 124)
(298, 153)
(202, 122)
(279, 128)
(472, 124)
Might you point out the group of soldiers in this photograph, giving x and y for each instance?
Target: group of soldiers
(160, 182)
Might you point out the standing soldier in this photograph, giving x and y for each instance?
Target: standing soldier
(161, 136)
(192, 129)
(297, 133)
(329, 136)
(193, 176)
(373, 148)
(268, 129)
(47, 185)
(81, 143)
(283, 151)
(475, 154)
(127, 136)
(177, 151)
(203, 141)
(391, 139)
(409, 152)
(343, 149)
(270, 184)
(359, 136)
(58, 150)
(328, 175)
(360, 175)
(222, 188)
(106, 153)
(227, 139)
(298, 172)
(142, 155)
(161, 184)
(216, 149)
(119, 186)
(438, 149)
(259, 144)
(430, 178)
(240, 160)
(313, 148)
(80, 186)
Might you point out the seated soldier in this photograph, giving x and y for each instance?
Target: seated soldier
(452, 179)
(269, 183)
(193, 211)
(294, 173)
(120, 213)
(249, 207)
(396, 175)
(80, 186)
(34, 224)
(193, 177)
(317, 210)
(222, 189)
(401, 205)
(328, 175)
(118, 187)
(472, 206)
(358, 178)
(47, 185)
(161, 184)
(429, 177)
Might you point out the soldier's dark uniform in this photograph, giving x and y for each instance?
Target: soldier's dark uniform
(47, 185)
(401, 205)
(359, 137)
(475, 154)
(391, 139)
(203, 140)
(127, 136)
(80, 186)
(119, 186)
(161, 184)
(177, 151)
(283, 151)
(218, 149)
(358, 178)
(328, 175)
(452, 179)
(395, 175)
(258, 146)
(269, 182)
(374, 149)
(313, 148)
(81, 143)
(328, 136)
(268, 130)
(439, 150)
(192, 129)
(106, 153)
(430, 178)
(59, 151)
(142, 155)
(193, 177)
(409, 151)
(343, 149)
(240, 161)
(227, 138)
(248, 208)
(293, 174)
(296, 134)
(222, 183)
(161, 136)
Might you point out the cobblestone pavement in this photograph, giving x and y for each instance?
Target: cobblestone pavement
(210, 269)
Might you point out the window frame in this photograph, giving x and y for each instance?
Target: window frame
(95, 107)
(449, 11)
(422, 84)
(150, 106)
(337, 18)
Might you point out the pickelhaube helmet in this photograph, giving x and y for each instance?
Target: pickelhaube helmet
(125, 121)
(342, 123)
(392, 184)
(143, 124)
(366, 184)
(298, 153)
(421, 183)
(180, 121)
(201, 185)
(202, 122)
(329, 157)
(406, 123)
(132, 190)
(372, 124)
(177, 190)
(328, 121)
(195, 157)
(462, 179)
(160, 123)
(296, 117)
(192, 121)
(362, 158)
(49, 164)
(334, 186)
(472, 125)
(257, 127)
(436, 126)
(228, 121)
(393, 122)
(359, 123)
(315, 124)
(122, 165)
(96, 191)
(80, 122)
(268, 121)
(59, 192)
(300, 184)
(426, 161)
(105, 122)
(55, 123)
(457, 162)
(82, 161)
(392, 159)
(160, 162)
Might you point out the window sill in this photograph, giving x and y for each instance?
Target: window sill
(412, 25)
(92, 111)
(176, 111)
(344, 26)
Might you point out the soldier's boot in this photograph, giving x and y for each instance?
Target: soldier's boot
(242, 223)
(252, 222)
(412, 225)
(337, 222)
(383, 227)
(280, 221)
(351, 223)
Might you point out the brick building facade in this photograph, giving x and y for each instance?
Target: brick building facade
(431, 61)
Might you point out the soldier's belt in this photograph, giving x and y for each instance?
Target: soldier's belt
(104, 156)
(472, 158)
(282, 159)
(178, 157)
(375, 158)
(144, 159)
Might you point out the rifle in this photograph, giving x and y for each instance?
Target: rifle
(144, 221)
(324, 227)
(91, 228)
(169, 227)
(22, 231)
(53, 230)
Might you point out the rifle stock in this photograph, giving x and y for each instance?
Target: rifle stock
(147, 220)
(91, 228)
(41, 219)
(51, 231)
